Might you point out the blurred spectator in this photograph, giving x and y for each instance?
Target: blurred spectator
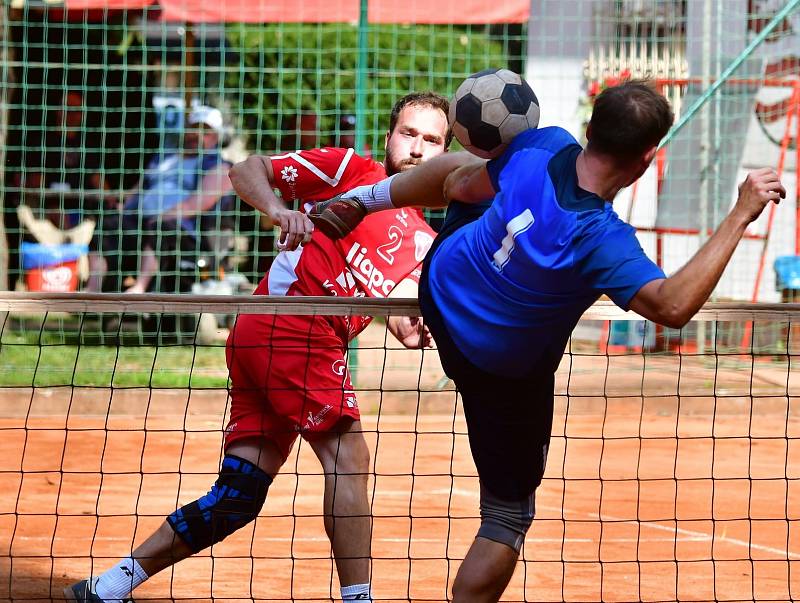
(163, 215)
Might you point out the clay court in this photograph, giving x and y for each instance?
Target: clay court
(669, 478)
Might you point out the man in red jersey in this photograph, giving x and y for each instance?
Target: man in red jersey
(289, 373)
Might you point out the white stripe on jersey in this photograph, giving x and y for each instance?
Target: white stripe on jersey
(282, 273)
(515, 227)
(332, 181)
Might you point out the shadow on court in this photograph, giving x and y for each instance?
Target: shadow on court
(24, 586)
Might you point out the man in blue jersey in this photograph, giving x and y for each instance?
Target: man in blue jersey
(532, 242)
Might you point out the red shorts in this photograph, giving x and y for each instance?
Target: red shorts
(289, 377)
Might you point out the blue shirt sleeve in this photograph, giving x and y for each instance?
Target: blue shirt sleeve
(522, 140)
(615, 264)
(551, 139)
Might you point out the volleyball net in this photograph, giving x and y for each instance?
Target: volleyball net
(672, 473)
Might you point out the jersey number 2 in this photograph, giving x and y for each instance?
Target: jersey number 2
(386, 251)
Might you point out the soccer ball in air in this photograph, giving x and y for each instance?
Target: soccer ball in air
(490, 108)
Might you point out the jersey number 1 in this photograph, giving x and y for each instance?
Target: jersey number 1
(515, 227)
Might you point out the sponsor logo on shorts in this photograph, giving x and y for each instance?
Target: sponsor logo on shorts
(231, 428)
(339, 367)
(316, 419)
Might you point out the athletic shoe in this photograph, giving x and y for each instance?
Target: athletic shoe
(82, 592)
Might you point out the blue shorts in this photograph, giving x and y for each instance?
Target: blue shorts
(509, 420)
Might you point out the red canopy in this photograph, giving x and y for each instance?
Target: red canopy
(326, 11)
(449, 11)
(106, 4)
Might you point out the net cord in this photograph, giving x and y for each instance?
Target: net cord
(330, 306)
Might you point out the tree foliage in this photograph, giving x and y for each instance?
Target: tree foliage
(289, 69)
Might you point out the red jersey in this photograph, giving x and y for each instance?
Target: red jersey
(384, 249)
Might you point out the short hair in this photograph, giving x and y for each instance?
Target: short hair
(629, 119)
(422, 99)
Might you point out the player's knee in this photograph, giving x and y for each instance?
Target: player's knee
(356, 459)
(506, 521)
(345, 456)
(234, 501)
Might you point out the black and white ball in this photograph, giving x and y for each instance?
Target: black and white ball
(490, 108)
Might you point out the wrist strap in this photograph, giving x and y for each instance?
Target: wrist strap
(378, 196)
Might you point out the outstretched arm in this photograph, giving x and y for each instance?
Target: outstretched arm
(428, 185)
(469, 184)
(674, 300)
(435, 183)
(253, 180)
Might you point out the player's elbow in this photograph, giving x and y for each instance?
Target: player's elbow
(235, 174)
(237, 171)
(674, 315)
(244, 171)
(659, 304)
(676, 320)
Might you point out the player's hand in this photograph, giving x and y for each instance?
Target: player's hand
(295, 227)
(337, 217)
(410, 331)
(758, 189)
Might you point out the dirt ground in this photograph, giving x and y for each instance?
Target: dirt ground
(669, 478)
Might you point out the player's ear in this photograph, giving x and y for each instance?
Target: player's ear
(386, 140)
(649, 155)
(589, 132)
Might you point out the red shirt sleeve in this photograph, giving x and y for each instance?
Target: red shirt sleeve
(320, 174)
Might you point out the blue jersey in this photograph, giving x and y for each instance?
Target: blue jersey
(512, 284)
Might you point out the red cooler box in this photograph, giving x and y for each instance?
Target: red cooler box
(51, 267)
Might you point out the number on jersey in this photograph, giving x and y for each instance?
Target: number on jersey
(515, 227)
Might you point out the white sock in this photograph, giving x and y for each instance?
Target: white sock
(375, 197)
(118, 582)
(356, 592)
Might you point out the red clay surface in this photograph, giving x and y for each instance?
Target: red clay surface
(668, 479)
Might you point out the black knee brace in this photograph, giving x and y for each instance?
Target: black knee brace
(234, 501)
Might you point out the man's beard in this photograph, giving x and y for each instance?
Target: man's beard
(393, 167)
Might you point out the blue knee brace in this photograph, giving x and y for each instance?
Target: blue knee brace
(234, 501)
